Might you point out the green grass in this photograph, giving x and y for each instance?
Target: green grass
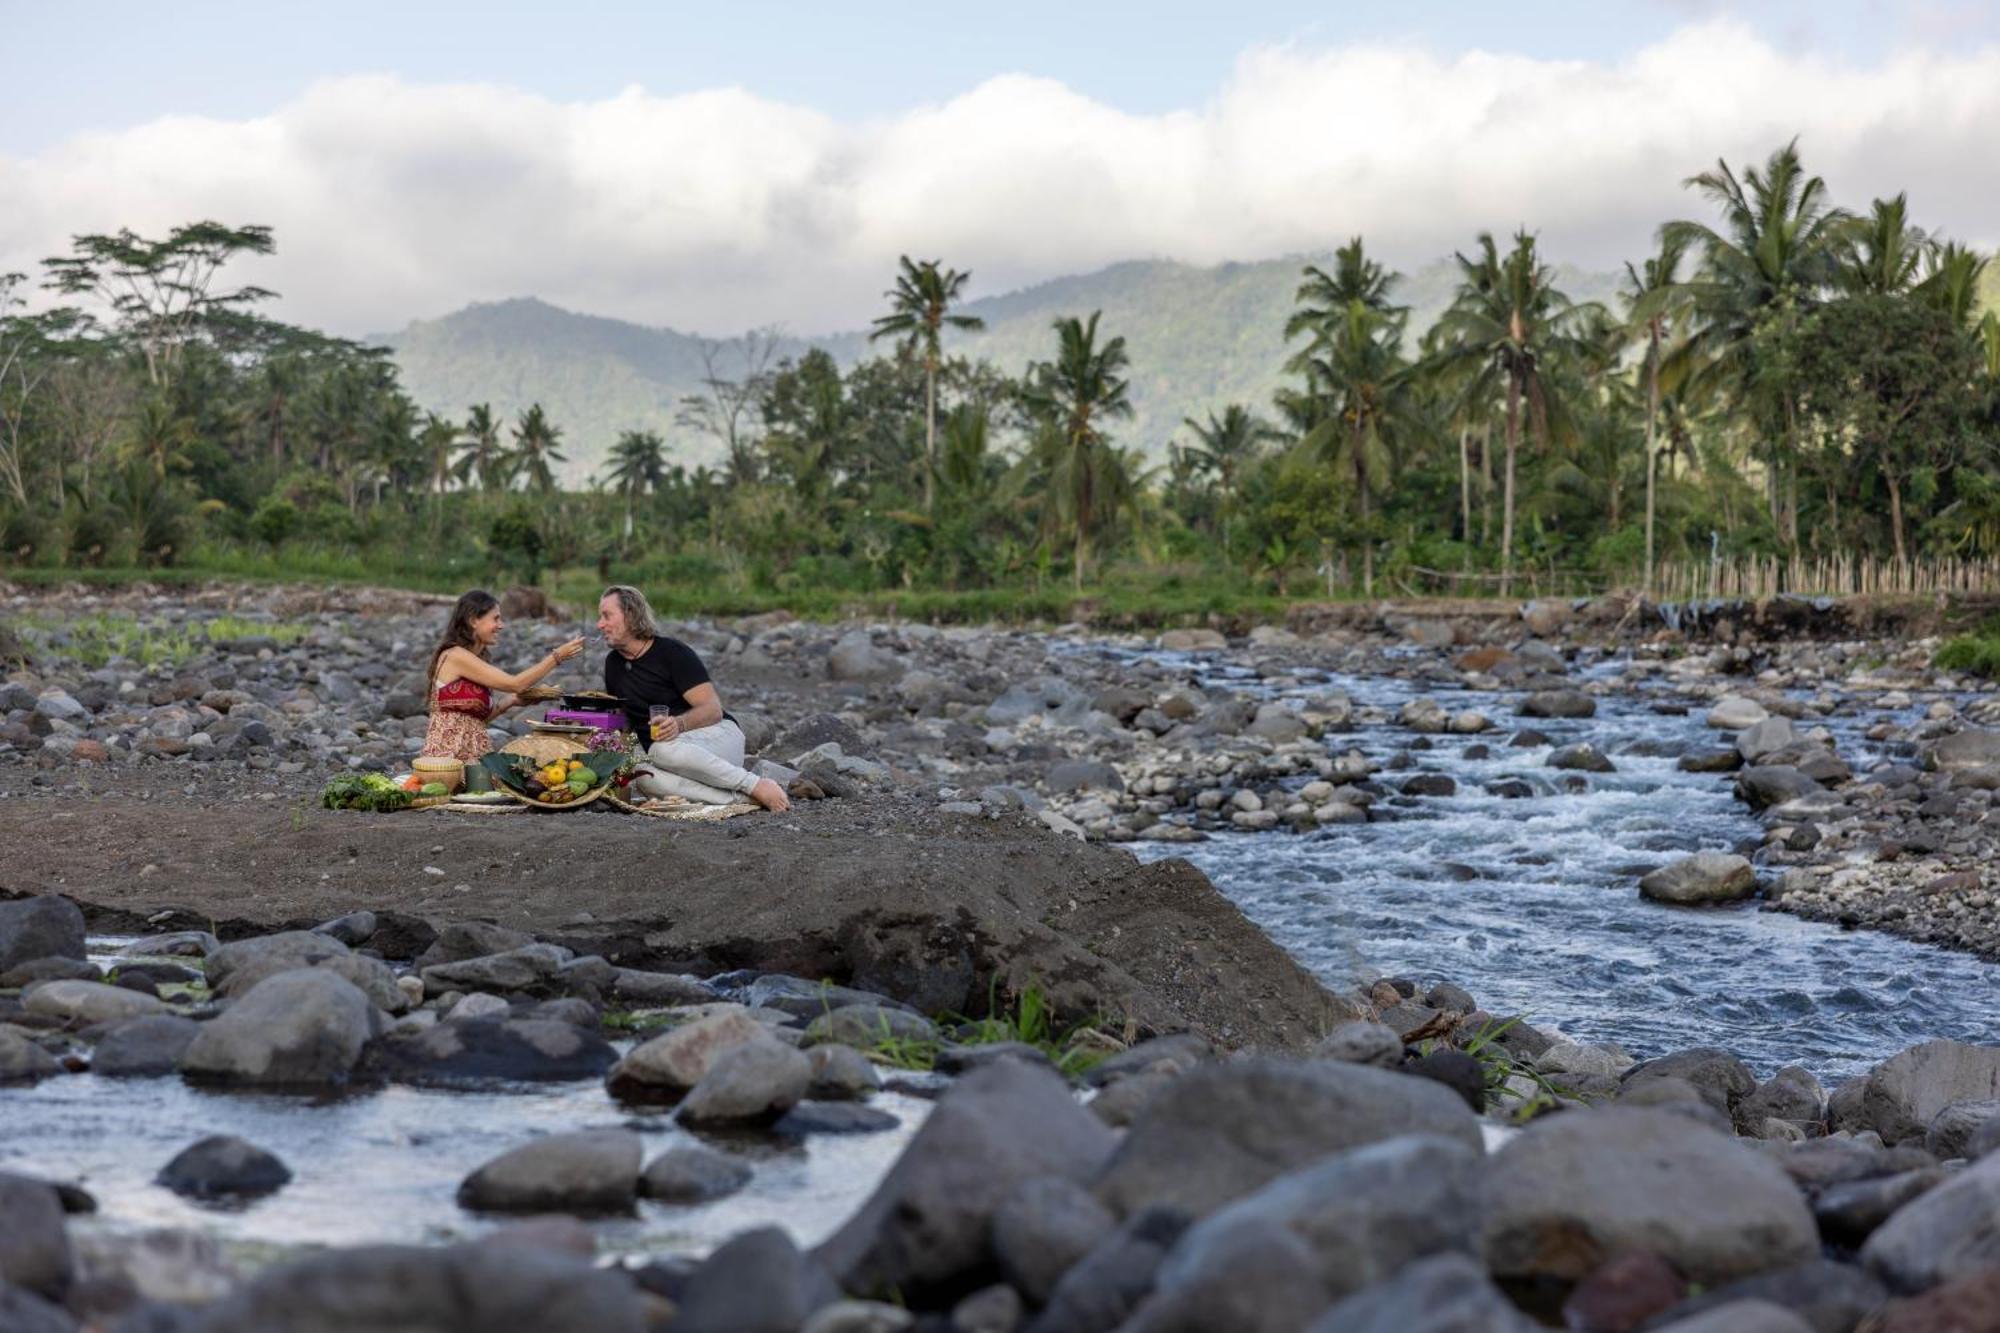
(97, 639)
(1977, 653)
(1497, 1066)
(1074, 1049)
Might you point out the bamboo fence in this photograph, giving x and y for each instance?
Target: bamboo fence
(1756, 578)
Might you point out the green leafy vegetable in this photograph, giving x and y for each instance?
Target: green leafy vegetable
(363, 791)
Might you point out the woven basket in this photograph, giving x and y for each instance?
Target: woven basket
(428, 802)
(450, 772)
(577, 804)
(544, 746)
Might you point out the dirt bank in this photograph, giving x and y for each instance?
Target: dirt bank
(883, 891)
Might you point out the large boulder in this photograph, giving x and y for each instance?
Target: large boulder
(86, 1002)
(855, 657)
(371, 976)
(1445, 1293)
(1043, 1229)
(1223, 1130)
(757, 1282)
(45, 927)
(1768, 737)
(1950, 1232)
(34, 1244)
(460, 1289)
(1705, 877)
(1732, 712)
(693, 1173)
(456, 941)
(144, 1047)
(1761, 786)
(306, 1027)
(473, 1051)
(588, 1172)
(520, 969)
(1958, 1127)
(1973, 747)
(292, 948)
(1558, 703)
(753, 1082)
(1050, 698)
(21, 1060)
(1576, 1189)
(1905, 1092)
(223, 1166)
(929, 1220)
(1717, 1075)
(667, 1066)
(1361, 1215)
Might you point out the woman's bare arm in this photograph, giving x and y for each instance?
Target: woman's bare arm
(463, 664)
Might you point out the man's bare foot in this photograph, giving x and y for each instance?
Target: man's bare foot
(771, 796)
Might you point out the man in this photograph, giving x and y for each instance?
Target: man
(698, 751)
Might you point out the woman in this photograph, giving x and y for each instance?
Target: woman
(462, 681)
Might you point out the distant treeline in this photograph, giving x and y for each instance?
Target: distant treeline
(1781, 377)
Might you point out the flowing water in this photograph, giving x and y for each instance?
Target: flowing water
(1532, 903)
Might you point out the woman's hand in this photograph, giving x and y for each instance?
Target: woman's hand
(563, 653)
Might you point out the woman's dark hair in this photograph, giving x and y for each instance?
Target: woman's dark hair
(458, 634)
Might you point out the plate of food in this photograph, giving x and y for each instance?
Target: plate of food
(482, 798)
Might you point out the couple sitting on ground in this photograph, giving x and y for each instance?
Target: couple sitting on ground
(696, 749)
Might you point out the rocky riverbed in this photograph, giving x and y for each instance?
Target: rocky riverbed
(1362, 1160)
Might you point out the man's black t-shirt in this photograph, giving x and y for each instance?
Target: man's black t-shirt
(663, 674)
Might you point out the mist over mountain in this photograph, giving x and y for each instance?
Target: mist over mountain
(1198, 337)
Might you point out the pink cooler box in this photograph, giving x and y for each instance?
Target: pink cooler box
(579, 717)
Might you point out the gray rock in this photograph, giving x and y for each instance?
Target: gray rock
(584, 1172)
(22, 1311)
(1734, 713)
(1792, 1094)
(470, 1052)
(303, 1027)
(1050, 698)
(353, 929)
(1831, 1297)
(666, 1066)
(751, 1082)
(45, 927)
(22, 1061)
(859, 1317)
(1083, 775)
(1119, 1104)
(85, 1002)
(1445, 1293)
(458, 941)
(1764, 738)
(24, 975)
(459, 1289)
(928, 1220)
(294, 948)
(809, 1118)
(1848, 1213)
(808, 999)
(1905, 1092)
(1705, 877)
(1182, 1051)
(1255, 1277)
(662, 988)
(994, 1309)
(371, 976)
(1951, 1232)
(1042, 1229)
(1222, 1131)
(757, 1282)
(1558, 703)
(691, 1173)
(1617, 1178)
(1954, 1129)
(224, 1167)
(840, 1073)
(34, 1244)
(1362, 1215)
(1362, 1042)
(1277, 723)
(1973, 747)
(863, 1025)
(1741, 1317)
(1582, 757)
(1102, 1289)
(517, 969)
(855, 657)
(1763, 785)
(1720, 1078)
(143, 1047)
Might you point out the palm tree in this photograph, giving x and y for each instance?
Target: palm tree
(1951, 283)
(535, 441)
(437, 439)
(1357, 374)
(1071, 397)
(638, 465)
(1225, 446)
(482, 456)
(1880, 254)
(1510, 319)
(1654, 303)
(1776, 254)
(920, 306)
(1323, 297)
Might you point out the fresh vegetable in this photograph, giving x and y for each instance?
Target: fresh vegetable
(363, 791)
(433, 789)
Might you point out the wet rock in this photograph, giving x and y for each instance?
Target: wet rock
(34, 1244)
(1455, 1070)
(1430, 784)
(1734, 713)
(859, 1317)
(691, 1173)
(1764, 785)
(1042, 1229)
(1966, 1305)
(864, 1025)
(757, 1282)
(224, 1167)
(586, 1172)
(1792, 1095)
(22, 1311)
(1362, 1042)
(1954, 1130)
(1575, 1189)
(1720, 1078)
(143, 1047)
(1101, 1291)
(632, 986)
(305, 1026)
(1831, 1297)
(1768, 737)
(371, 976)
(1446, 1293)
(468, 1052)
(1848, 1213)
(807, 999)
(22, 1061)
(1222, 1131)
(1741, 1317)
(840, 1073)
(49, 969)
(1705, 877)
(666, 1066)
(1582, 758)
(1952, 1231)
(1557, 704)
(1623, 1293)
(353, 929)
(994, 1309)
(462, 1287)
(1906, 1092)
(928, 1220)
(809, 1118)
(1971, 748)
(517, 969)
(45, 927)
(750, 1082)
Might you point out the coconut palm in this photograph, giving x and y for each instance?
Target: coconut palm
(437, 438)
(482, 457)
(1881, 253)
(920, 311)
(1655, 301)
(1070, 399)
(1951, 283)
(1775, 256)
(1511, 321)
(638, 465)
(1323, 297)
(1225, 446)
(535, 441)
(1358, 377)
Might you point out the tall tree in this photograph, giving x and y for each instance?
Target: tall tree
(1224, 447)
(1510, 319)
(1071, 398)
(1356, 370)
(1881, 253)
(436, 440)
(920, 310)
(729, 408)
(1654, 302)
(482, 455)
(638, 466)
(535, 449)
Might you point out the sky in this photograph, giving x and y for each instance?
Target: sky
(717, 167)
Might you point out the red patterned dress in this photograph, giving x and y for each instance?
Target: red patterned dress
(458, 722)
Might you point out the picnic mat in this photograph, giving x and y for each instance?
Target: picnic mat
(679, 807)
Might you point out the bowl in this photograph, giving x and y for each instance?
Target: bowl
(448, 771)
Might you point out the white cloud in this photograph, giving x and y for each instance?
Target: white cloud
(720, 209)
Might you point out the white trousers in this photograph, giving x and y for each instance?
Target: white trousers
(703, 765)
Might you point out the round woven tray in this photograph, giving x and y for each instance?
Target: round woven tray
(577, 804)
(543, 746)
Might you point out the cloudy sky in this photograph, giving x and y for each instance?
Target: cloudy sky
(717, 167)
